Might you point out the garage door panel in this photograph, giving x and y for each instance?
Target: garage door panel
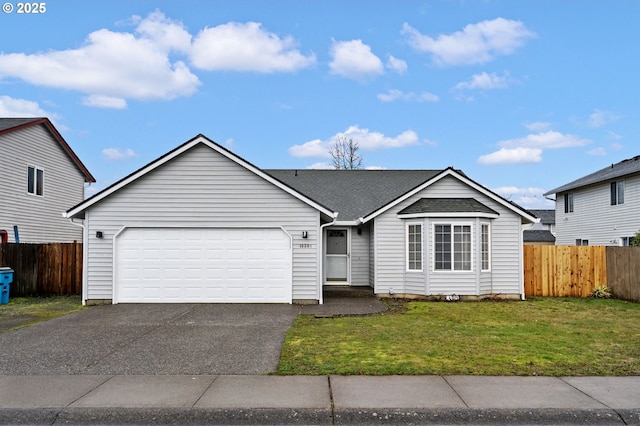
(203, 265)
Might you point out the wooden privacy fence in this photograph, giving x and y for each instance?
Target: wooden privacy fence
(623, 272)
(43, 269)
(578, 270)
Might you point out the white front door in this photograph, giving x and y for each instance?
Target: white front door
(337, 256)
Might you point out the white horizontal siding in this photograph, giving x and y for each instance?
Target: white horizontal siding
(360, 256)
(506, 249)
(39, 218)
(201, 188)
(595, 219)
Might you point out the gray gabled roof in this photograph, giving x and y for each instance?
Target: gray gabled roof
(538, 235)
(624, 168)
(447, 205)
(546, 216)
(10, 123)
(353, 193)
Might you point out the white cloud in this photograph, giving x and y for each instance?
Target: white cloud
(397, 65)
(375, 168)
(550, 139)
(529, 149)
(368, 141)
(599, 151)
(531, 198)
(320, 166)
(115, 154)
(601, 118)
(486, 81)
(247, 47)
(616, 146)
(394, 94)
(112, 66)
(21, 108)
(538, 126)
(104, 102)
(475, 44)
(512, 156)
(353, 59)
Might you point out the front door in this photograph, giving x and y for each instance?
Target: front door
(337, 256)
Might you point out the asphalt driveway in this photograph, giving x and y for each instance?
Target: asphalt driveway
(152, 339)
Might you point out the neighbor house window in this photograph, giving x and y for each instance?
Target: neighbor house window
(581, 242)
(414, 247)
(35, 180)
(617, 192)
(568, 202)
(485, 247)
(452, 247)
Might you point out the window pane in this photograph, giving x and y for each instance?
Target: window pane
(414, 247)
(621, 192)
(31, 179)
(39, 182)
(485, 247)
(614, 191)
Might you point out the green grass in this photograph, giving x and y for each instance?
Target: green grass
(24, 311)
(542, 336)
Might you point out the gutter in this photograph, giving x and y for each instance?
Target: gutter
(321, 256)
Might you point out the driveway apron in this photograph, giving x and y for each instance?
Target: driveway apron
(152, 339)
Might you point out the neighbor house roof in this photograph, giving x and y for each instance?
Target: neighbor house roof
(623, 168)
(538, 235)
(8, 125)
(546, 216)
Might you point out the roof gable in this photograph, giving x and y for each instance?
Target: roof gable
(79, 209)
(526, 216)
(8, 125)
(623, 168)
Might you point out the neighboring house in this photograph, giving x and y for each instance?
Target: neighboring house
(600, 208)
(40, 177)
(543, 231)
(201, 224)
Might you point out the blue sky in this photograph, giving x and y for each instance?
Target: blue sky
(523, 96)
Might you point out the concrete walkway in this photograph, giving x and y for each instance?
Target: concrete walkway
(264, 399)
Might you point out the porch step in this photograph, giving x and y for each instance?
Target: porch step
(347, 291)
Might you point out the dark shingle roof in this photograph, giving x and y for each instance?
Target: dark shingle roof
(9, 123)
(353, 193)
(623, 168)
(538, 235)
(547, 217)
(447, 205)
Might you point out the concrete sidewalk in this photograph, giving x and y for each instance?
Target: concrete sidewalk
(262, 399)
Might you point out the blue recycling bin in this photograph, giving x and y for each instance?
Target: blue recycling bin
(6, 278)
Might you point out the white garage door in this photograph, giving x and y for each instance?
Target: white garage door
(165, 265)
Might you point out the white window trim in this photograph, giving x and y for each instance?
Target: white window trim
(433, 249)
(407, 225)
(488, 225)
(35, 180)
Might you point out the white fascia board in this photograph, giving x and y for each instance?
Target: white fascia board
(450, 215)
(168, 157)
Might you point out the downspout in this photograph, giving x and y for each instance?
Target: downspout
(321, 256)
(84, 259)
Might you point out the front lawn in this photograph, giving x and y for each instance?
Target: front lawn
(541, 336)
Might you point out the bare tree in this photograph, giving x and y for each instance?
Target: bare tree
(344, 154)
